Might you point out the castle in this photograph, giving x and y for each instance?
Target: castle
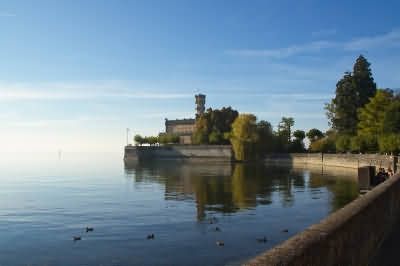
(184, 128)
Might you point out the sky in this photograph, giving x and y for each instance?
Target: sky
(74, 75)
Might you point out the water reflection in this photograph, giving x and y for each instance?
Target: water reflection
(229, 188)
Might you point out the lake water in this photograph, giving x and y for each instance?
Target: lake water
(46, 199)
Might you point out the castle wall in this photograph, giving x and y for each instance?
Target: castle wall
(180, 129)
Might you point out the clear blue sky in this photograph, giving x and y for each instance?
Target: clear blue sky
(75, 74)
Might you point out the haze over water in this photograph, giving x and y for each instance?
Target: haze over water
(45, 200)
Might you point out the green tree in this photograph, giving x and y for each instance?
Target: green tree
(216, 122)
(343, 143)
(389, 143)
(352, 92)
(391, 121)
(314, 134)
(244, 137)
(342, 111)
(363, 144)
(325, 144)
(363, 81)
(138, 139)
(168, 139)
(285, 128)
(297, 144)
(266, 137)
(299, 135)
(152, 140)
(215, 137)
(372, 115)
(173, 138)
(162, 139)
(355, 144)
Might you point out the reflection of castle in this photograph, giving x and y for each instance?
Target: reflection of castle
(184, 128)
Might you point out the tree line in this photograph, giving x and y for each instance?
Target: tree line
(152, 140)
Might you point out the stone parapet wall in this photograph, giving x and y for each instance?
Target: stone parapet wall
(337, 160)
(350, 236)
(213, 152)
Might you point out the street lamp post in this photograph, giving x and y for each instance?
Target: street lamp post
(127, 136)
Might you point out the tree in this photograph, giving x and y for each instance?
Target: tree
(391, 120)
(389, 143)
(343, 143)
(168, 139)
(352, 92)
(363, 81)
(372, 115)
(152, 140)
(215, 137)
(314, 134)
(355, 144)
(284, 128)
(363, 144)
(297, 144)
(216, 122)
(139, 140)
(299, 135)
(325, 144)
(244, 137)
(266, 137)
(342, 111)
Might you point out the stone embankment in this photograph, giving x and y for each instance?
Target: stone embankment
(336, 160)
(202, 152)
(350, 236)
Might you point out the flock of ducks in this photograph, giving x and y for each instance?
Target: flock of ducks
(213, 220)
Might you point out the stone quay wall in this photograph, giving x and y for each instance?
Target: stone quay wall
(350, 236)
(337, 160)
(165, 152)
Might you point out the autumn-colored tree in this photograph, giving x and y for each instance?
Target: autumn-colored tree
(244, 137)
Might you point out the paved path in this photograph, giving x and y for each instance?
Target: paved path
(388, 254)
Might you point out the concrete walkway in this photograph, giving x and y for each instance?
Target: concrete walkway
(388, 254)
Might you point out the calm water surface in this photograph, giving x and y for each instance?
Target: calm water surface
(46, 199)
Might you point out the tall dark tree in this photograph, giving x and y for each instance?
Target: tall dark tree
(353, 91)
(266, 137)
(363, 81)
(285, 128)
(314, 134)
(297, 144)
(342, 111)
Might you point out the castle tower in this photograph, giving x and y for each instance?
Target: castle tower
(200, 104)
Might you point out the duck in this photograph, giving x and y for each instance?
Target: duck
(284, 230)
(220, 243)
(151, 236)
(76, 238)
(89, 229)
(262, 240)
(213, 220)
(217, 229)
